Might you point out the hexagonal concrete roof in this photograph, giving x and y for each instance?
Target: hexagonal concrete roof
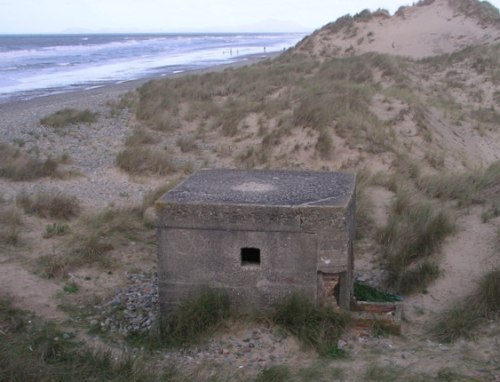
(264, 187)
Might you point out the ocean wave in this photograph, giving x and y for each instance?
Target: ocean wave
(58, 50)
(49, 68)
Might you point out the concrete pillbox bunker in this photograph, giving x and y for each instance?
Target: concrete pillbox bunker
(258, 235)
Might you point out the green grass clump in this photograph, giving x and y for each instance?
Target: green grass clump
(69, 116)
(55, 229)
(196, 317)
(46, 205)
(415, 230)
(462, 319)
(313, 326)
(71, 288)
(19, 166)
(33, 351)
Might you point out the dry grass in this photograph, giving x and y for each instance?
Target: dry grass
(152, 196)
(481, 10)
(324, 145)
(48, 205)
(465, 187)
(142, 157)
(187, 144)
(330, 97)
(94, 235)
(69, 116)
(139, 160)
(99, 233)
(463, 318)
(364, 221)
(415, 230)
(140, 137)
(52, 266)
(19, 166)
(10, 225)
(487, 296)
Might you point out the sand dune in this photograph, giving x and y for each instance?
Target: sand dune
(417, 32)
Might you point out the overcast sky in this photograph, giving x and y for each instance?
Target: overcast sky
(55, 16)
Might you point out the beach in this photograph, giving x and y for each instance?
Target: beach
(91, 147)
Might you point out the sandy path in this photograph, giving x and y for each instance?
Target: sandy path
(30, 292)
(466, 256)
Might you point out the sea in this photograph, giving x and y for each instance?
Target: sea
(37, 65)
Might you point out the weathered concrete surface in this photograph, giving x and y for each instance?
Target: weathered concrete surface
(270, 188)
(302, 222)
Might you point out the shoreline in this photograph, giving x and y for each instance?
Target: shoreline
(92, 149)
(113, 90)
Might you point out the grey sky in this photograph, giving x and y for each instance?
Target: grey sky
(53, 16)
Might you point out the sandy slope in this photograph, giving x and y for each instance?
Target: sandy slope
(416, 32)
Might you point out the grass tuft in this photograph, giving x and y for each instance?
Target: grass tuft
(316, 327)
(69, 116)
(195, 318)
(187, 144)
(415, 230)
(462, 319)
(415, 278)
(45, 205)
(324, 144)
(465, 187)
(487, 296)
(55, 229)
(10, 226)
(140, 137)
(52, 267)
(457, 322)
(152, 196)
(19, 166)
(138, 160)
